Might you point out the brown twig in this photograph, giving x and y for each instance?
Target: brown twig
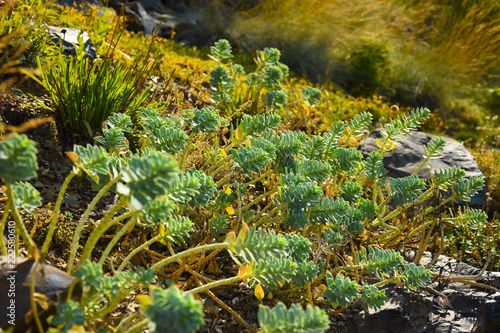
(227, 308)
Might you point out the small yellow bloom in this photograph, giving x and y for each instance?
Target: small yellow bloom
(259, 292)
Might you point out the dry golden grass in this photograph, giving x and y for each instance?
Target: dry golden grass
(432, 44)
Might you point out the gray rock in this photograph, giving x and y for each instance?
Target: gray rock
(146, 15)
(407, 157)
(15, 289)
(138, 19)
(389, 318)
(153, 5)
(68, 38)
(464, 325)
(184, 25)
(470, 309)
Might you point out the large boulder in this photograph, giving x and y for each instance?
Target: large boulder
(410, 153)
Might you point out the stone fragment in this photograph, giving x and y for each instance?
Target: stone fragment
(15, 279)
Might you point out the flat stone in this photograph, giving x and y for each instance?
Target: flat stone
(68, 38)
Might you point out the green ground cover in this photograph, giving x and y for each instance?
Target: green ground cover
(220, 157)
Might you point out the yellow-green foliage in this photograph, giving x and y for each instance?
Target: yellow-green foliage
(441, 38)
(18, 40)
(320, 32)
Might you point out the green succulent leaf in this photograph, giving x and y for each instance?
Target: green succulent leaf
(69, 315)
(314, 148)
(110, 286)
(403, 124)
(300, 196)
(91, 274)
(150, 113)
(251, 159)
(351, 221)
(177, 229)
(474, 216)
(173, 311)
(406, 190)
(276, 99)
(265, 145)
(346, 160)
(142, 276)
(284, 69)
(288, 143)
(329, 209)
(26, 196)
(115, 166)
(359, 123)
(297, 219)
(295, 320)
(183, 187)
(415, 276)
(373, 297)
(340, 290)
(257, 244)
(332, 138)
(17, 159)
(218, 225)
(467, 188)
(314, 170)
(204, 120)
(312, 96)
(445, 178)
(205, 190)
(113, 139)
(273, 77)
(306, 272)
(368, 208)
(333, 236)
(259, 123)
(238, 69)
(92, 160)
(222, 84)
(121, 121)
(374, 166)
(221, 50)
(156, 211)
(380, 261)
(255, 78)
(167, 139)
(272, 273)
(147, 177)
(351, 191)
(298, 247)
(271, 56)
(435, 148)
